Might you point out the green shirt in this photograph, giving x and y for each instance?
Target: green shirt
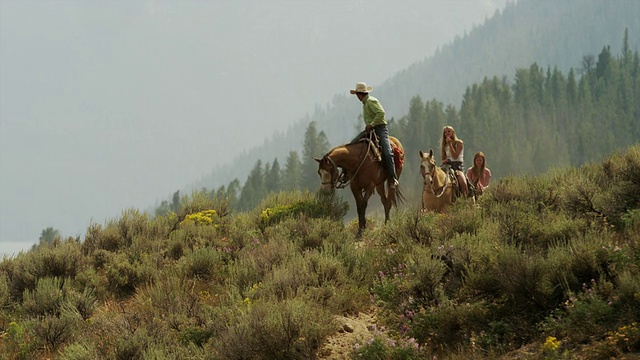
(372, 111)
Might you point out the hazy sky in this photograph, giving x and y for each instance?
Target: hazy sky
(109, 105)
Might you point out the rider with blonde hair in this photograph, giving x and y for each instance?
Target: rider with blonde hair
(452, 152)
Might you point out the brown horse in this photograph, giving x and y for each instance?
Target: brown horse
(439, 189)
(365, 174)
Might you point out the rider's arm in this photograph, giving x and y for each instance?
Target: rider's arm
(455, 151)
(487, 177)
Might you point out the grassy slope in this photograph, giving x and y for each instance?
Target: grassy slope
(544, 266)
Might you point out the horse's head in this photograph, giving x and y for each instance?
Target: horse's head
(328, 172)
(427, 164)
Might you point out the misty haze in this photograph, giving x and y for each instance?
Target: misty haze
(106, 106)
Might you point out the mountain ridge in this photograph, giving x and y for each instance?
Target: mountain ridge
(558, 33)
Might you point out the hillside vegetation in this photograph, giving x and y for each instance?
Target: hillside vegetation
(542, 267)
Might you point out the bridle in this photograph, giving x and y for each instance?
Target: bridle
(432, 175)
(334, 169)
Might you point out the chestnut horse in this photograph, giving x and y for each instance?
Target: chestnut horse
(438, 191)
(365, 174)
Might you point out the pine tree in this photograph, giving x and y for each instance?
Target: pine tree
(273, 177)
(253, 190)
(315, 145)
(292, 174)
(48, 235)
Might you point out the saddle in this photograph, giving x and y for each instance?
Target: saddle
(451, 173)
(373, 142)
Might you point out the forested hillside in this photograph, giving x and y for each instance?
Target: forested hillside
(555, 35)
(545, 119)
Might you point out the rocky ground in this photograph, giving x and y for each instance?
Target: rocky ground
(349, 331)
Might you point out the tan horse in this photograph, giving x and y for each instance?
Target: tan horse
(365, 174)
(438, 191)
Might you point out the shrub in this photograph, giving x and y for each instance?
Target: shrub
(120, 233)
(4, 290)
(582, 315)
(47, 297)
(629, 293)
(383, 348)
(79, 351)
(123, 276)
(55, 260)
(426, 274)
(275, 330)
(18, 341)
(523, 281)
(447, 325)
(203, 264)
(83, 302)
(276, 210)
(132, 346)
(52, 331)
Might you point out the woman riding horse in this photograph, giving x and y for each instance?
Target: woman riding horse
(438, 189)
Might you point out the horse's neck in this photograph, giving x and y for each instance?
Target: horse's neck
(439, 178)
(348, 156)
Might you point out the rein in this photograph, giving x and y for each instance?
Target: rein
(364, 157)
(444, 187)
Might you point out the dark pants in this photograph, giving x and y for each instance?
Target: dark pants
(387, 152)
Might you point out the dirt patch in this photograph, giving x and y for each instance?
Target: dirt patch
(349, 331)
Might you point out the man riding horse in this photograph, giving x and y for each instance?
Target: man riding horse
(373, 115)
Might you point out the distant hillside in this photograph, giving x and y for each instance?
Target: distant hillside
(549, 32)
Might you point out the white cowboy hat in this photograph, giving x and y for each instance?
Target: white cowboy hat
(361, 88)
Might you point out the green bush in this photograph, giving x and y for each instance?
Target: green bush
(132, 346)
(583, 314)
(47, 260)
(275, 330)
(276, 210)
(123, 276)
(17, 342)
(4, 290)
(51, 332)
(384, 348)
(204, 263)
(46, 298)
(79, 351)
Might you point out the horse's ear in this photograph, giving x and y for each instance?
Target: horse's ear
(316, 159)
(421, 154)
(431, 152)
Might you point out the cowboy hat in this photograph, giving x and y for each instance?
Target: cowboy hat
(361, 88)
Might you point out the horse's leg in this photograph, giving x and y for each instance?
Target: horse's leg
(386, 200)
(361, 207)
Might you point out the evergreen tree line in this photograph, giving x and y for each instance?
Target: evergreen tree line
(544, 119)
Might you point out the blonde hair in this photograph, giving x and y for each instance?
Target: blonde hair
(443, 140)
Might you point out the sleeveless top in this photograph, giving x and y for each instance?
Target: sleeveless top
(460, 158)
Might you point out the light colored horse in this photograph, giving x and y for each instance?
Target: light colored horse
(365, 173)
(438, 190)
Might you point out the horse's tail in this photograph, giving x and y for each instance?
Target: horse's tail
(396, 196)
